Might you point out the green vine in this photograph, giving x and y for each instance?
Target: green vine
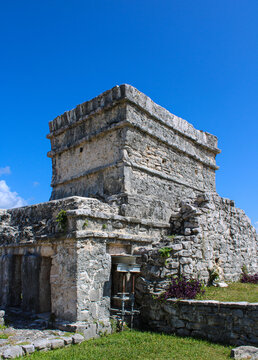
(61, 219)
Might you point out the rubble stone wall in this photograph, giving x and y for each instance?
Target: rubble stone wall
(215, 235)
(67, 270)
(93, 281)
(230, 323)
(207, 234)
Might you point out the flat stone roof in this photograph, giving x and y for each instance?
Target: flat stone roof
(127, 93)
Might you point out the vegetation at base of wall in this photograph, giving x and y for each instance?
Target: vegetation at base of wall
(182, 288)
(61, 219)
(247, 278)
(139, 345)
(234, 292)
(213, 277)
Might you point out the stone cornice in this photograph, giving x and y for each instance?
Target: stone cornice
(130, 94)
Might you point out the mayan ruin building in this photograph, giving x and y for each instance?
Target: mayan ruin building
(127, 177)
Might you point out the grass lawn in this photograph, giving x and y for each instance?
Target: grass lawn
(139, 345)
(234, 292)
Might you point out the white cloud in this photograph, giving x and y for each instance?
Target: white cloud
(9, 199)
(5, 170)
(35, 183)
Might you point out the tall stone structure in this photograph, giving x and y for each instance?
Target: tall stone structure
(128, 177)
(122, 147)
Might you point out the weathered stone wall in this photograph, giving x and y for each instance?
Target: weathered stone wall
(207, 234)
(121, 145)
(93, 281)
(217, 235)
(63, 280)
(67, 271)
(89, 162)
(230, 323)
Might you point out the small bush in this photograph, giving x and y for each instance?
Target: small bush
(246, 278)
(165, 252)
(61, 219)
(213, 277)
(182, 288)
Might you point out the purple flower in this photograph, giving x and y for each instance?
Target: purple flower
(246, 278)
(183, 288)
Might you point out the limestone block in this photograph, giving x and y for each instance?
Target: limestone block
(77, 338)
(13, 352)
(28, 349)
(245, 352)
(42, 344)
(57, 343)
(67, 340)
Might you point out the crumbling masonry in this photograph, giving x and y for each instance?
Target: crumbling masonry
(130, 177)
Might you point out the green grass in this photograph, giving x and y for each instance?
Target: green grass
(234, 292)
(139, 345)
(3, 336)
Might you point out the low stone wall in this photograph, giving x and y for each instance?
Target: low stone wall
(226, 322)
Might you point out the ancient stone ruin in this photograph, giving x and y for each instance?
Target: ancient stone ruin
(128, 178)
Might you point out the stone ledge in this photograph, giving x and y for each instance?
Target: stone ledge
(128, 93)
(230, 304)
(82, 234)
(126, 219)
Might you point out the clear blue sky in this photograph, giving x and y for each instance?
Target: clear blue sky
(196, 58)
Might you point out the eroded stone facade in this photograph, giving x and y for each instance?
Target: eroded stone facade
(122, 147)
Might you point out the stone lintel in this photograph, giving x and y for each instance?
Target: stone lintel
(85, 213)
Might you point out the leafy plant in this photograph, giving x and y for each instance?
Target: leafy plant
(61, 219)
(104, 226)
(183, 288)
(165, 252)
(171, 237)
(244, 269)
(213, 277)
(85, 224)
(114, 325)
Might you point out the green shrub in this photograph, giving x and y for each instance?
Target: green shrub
(61, 219)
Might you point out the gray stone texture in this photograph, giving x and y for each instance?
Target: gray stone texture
(245, 352)
(230, 323)
(128, 174)
(13, 352)
(123, 147)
